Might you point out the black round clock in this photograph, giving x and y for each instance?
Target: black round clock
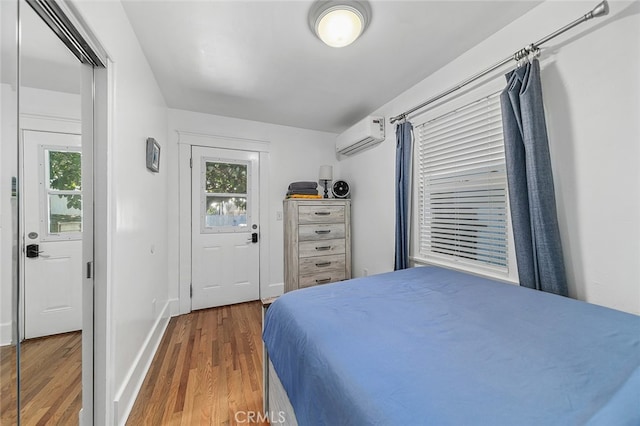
(340, 189)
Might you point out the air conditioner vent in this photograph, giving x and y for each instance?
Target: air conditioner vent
(363, 135)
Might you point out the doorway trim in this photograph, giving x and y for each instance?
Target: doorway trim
(186, 140)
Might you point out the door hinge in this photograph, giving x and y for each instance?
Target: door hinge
(191, 291)
(89, 269)
(191, 163)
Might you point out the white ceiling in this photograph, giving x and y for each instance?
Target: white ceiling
(46, 63)
(259, 60)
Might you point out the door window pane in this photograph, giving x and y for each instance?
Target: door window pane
(225, 195)
(226, 211)
(226, 178)
(64, 191)
(65, 171)
(65, 213)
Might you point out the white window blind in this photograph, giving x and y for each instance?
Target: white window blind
(462, 187)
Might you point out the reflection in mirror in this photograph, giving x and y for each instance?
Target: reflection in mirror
(51, 226)
(8, 211)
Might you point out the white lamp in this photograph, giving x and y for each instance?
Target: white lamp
(339, 23)
(325, 176)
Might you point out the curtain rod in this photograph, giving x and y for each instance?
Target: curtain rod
(600, 10)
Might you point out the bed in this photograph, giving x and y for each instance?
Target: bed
(433, 346)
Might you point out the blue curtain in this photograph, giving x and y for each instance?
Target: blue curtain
(403, 177)
(530, 181)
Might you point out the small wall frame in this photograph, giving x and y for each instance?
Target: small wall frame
(153, 155)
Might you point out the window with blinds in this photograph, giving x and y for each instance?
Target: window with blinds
(462, 187)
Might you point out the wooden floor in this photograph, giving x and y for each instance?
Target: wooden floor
(207, 370)
(51, 374)
(8, 405)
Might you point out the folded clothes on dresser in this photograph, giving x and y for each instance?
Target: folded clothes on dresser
(303, 191)
(294, 186)
(312, 197)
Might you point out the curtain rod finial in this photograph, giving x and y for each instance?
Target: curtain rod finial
(600, 10)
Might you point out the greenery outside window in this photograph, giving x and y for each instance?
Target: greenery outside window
(63, 185)
(225, 195)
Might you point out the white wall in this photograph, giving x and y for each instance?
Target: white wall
(591, 88)
(295, 154)
(136, 268)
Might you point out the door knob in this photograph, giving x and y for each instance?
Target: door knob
(33, 250)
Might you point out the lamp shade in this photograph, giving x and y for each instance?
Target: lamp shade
(339, 23)
(340, 27)
(326, 173)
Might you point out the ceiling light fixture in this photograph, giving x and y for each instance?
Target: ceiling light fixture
(339, 23)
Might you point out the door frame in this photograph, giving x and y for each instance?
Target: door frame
(186, 140)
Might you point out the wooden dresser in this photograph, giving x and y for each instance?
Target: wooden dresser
(317, 242)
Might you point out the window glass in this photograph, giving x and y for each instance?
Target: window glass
(225, 196)
(65, 171)
(226, 178)
(64, 191)
(65, 213)
(226, 211)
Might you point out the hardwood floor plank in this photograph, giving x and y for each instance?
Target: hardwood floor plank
(51, 381)
(184, 376)
(207, 370)
(8, 382)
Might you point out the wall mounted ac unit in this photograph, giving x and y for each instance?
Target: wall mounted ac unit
(364, 134)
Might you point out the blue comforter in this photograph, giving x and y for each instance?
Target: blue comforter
(430, 346)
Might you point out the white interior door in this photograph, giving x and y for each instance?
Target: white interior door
(52, 240)
(225, 266)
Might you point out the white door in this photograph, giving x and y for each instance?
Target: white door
(52, 240)
(225, 264)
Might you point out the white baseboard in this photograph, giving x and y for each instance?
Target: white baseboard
(174, 307)
(126, 395)
(272, 290)
(6, 334)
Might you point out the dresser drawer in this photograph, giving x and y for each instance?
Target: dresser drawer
(321, 232)
(317, 264)
(321, 278)
(321, 214)
(321, 248)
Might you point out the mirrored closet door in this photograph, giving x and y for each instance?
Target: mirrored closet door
(51, 199)
(47, 215)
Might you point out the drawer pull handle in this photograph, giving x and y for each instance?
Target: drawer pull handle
(323, 248)
(323, 231)
(323, 213)
(323, 264)
(323, 280)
